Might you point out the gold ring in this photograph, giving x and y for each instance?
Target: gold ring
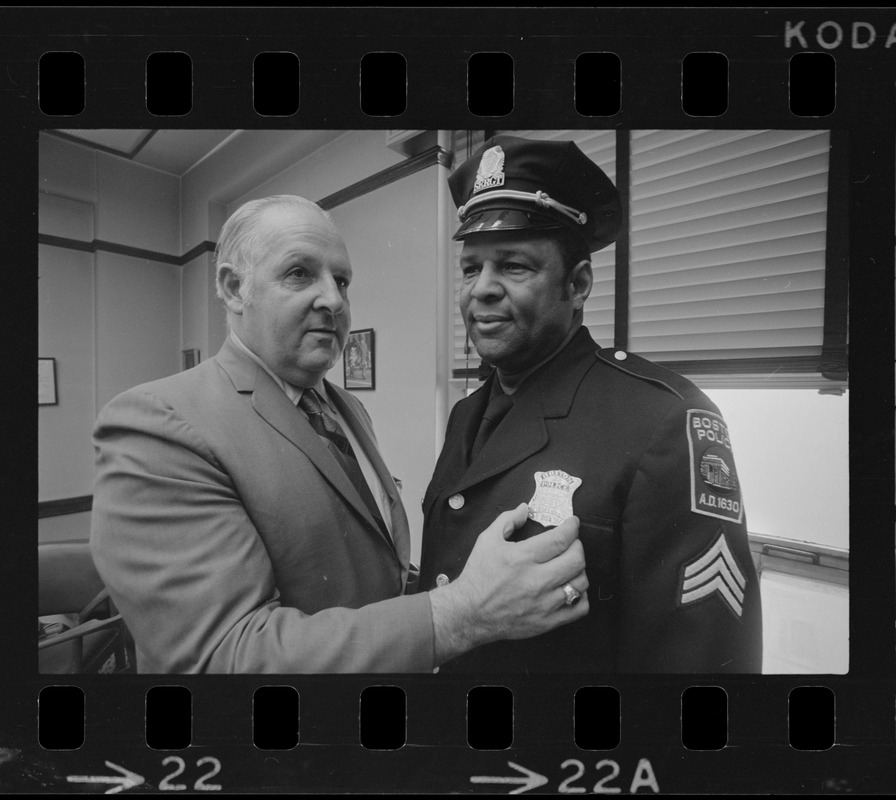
(572, 595)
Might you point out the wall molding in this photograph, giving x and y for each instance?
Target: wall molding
(129, 155)
(429, 157)
(66, 505)
(410, 166)
(99, 245)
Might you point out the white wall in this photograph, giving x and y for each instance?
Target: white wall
(66, 170)
(110, 321)
(791, 447)
(137, 206)
(392, 243)
(349, 158)
(194, 306)
(241, 163)
(137, 323)
(65, 297)
(114, 321)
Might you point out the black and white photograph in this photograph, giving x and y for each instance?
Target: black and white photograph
(470, 400)
(706, 304)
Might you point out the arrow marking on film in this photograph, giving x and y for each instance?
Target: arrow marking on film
(127, 779)
(529, 779)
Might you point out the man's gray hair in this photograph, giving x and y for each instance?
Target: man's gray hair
(240, 243)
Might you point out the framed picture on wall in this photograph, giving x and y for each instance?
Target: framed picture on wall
(190, 357)
(46, 382)
(358, 360)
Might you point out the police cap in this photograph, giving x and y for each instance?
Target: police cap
(512, 183)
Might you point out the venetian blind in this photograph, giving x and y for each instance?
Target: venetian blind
(728, 232)
(600, 146)
(727, 248)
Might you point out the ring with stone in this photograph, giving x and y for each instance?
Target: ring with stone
(572, 595)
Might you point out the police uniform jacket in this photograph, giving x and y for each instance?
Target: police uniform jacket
(672, 582)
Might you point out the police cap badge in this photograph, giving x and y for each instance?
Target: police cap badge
(512, 183)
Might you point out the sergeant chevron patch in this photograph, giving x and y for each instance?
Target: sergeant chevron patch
(714, 571)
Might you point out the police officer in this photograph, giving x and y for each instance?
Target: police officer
(638, 453)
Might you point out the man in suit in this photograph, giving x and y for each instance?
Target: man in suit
(243, 518)
(637, 452)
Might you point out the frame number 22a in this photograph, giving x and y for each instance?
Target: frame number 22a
(608, 772)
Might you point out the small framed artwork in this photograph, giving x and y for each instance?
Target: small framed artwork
(191, 358)
(358, 362)
(46, 382)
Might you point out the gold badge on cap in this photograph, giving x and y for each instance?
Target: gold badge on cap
(552, 501)
(491, 169)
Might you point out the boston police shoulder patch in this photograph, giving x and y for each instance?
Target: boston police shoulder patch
(715, 489)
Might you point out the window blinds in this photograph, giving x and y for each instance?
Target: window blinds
(727, 249)
(727, 244)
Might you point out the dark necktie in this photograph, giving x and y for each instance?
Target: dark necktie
(330, 431)
(498, 406)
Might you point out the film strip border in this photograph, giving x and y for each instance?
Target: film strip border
(595, 722)
(332, 67)
(230, 734)
(490, 84)
(436, 48)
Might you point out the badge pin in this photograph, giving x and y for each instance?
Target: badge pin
(552, 501)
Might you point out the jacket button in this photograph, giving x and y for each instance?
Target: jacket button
(442, 580)
(456, 501)
(620, 355)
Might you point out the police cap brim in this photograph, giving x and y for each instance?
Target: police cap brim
(497, 220)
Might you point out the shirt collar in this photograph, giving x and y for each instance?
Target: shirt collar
(294, 393)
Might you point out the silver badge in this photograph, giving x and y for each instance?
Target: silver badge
(552, 501)
(491, 169)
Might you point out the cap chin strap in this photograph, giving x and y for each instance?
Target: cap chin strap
(541, 199)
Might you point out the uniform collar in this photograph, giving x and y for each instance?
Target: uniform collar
(551, 385)
(509, 390)
(547, 393)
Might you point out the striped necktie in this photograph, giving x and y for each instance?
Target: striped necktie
(330, 431)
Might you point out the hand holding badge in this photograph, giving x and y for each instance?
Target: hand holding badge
(551, 504)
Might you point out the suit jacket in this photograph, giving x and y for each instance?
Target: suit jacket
(645, 460)
(232, 541)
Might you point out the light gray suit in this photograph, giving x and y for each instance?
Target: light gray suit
(232, 541)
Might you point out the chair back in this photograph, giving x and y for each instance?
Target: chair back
(67, 577)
